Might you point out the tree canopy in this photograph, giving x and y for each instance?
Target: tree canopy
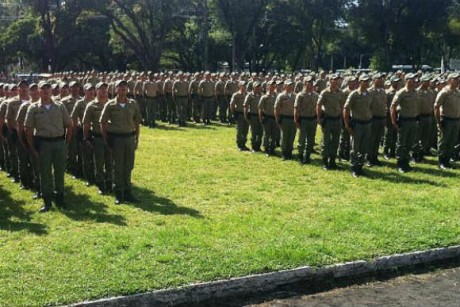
(52, 35)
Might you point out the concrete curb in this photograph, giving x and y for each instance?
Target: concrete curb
(255, 284)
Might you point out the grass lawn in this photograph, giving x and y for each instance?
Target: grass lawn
(209, 212)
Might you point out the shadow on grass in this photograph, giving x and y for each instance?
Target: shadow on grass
(81, 208)
(13, 209)
(149, 202)
(395, 177)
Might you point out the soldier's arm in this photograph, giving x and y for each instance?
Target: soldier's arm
(437, 106)
(246, 106)
(260, 108)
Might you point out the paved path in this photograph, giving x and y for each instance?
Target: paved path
(439, 288)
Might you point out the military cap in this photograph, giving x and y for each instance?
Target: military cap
(256, 84)
(278, 82)
(12, 87)
(387, 83)
(88, 86)
(453, 75)
(101, 84)
(73, 83)
(54, 86)
(288, 82)
(308, 79)
(32, 85)
(377, 76)
(395, 78)
(352, 78)
(23, 81)
(42, 84)
(425, 78)
(242, 83)
(364, 77)
(271, 82)
(120, 82)
(335, 77)
(63, 84)
(409, 76)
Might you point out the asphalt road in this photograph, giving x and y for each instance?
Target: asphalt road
(438, 288)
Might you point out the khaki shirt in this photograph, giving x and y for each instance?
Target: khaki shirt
(379, 102)
(160, 85)
(21, 117)
(47, 120)
(427, 98)
(121, 119)
(267, 104)
(305, 103)
(230, 88)
(252, 102)
(138, 87)
(238, 99)
(167, 86)
(92, 115)
(193, 87)
(69, 102)
(331, 102)
(131, 83)
(206, 88)
(3, 107)
(150, 89)
(180, 88)
(448, 102)
(79, 110)
(360, 105)
(12, 110)
(406, 103)
(285, 104)
(220, 88)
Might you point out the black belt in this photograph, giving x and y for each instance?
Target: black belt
(269, 116)
(379, 117)
(425, 115)
(181, 96)
(50, 139)
(308, 117)
(362, 122)
(207, 96)
(121, 135)
(151, 97)
(287, 116)
(408, 119)
(332, 117)
(449, 118)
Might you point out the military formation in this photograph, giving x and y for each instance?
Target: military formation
(88, 124)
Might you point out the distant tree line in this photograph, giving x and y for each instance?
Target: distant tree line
(259, 35)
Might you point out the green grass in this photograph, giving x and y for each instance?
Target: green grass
(209, 212)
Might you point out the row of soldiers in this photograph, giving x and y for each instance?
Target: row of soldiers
(404, 113)
(91, 136)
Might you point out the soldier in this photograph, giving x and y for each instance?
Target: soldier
(151, 101)
(358, 107)
(305, 119)
(3, 128)
(344, 144)
(139, 95)
(28, 165)
(222, 102)
(206, 92)
(231, 87)
(404, 111)
(170, 103)
(48, 128)
(11, 136)
(284, 114)
(389, 144)
(69, 101)
(379, 117)
(251, 114)
(180, 96)
(267, 118)
(120, 121)
(84, 151)
(447, 114)
(425, 124)
(93, 138)
(194, 97)
(162, 111)
(242, 127)
(329, 113)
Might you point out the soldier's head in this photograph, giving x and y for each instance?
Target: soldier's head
(308, 84)
(102, 91)
(364, 82)
(452, 80)
(377, 80)
(64, 89)
(257, 87)
(288, 86)
(395, 81)
(410, 81)
(271, 86)
(34, 92)
(13, 90)
(45, 91)
(425, 81)
(242, 86)
(121, 88)
(334, 81)
(23, 88)
(89, 91)
(74, 88)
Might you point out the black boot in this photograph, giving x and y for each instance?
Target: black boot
(118, 197)
(332, 164)
(325, 164)
(101, 187)
(306, 159)
(59, 199)
(301, 158)
(109, 187)
(129, 196)
(46, 204)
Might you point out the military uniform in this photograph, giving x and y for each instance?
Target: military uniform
(13, 105)
(242, 126)
(139, 96)
(391, 134)
(407, 106)
(285, 106)
(330, 103)
(195, 100)
(221, 100)
(170, 103)
(305, 106)
(206, 90)
(359, 104)
(448, 103)
(271, 134)
(251, 104)
(180, 90)
(151, 102)
(102, 153)
(75, 168)
(379, 117)
(49, 123)
(426, 120)
(231, 87)
(122, 121)
(28, 168)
